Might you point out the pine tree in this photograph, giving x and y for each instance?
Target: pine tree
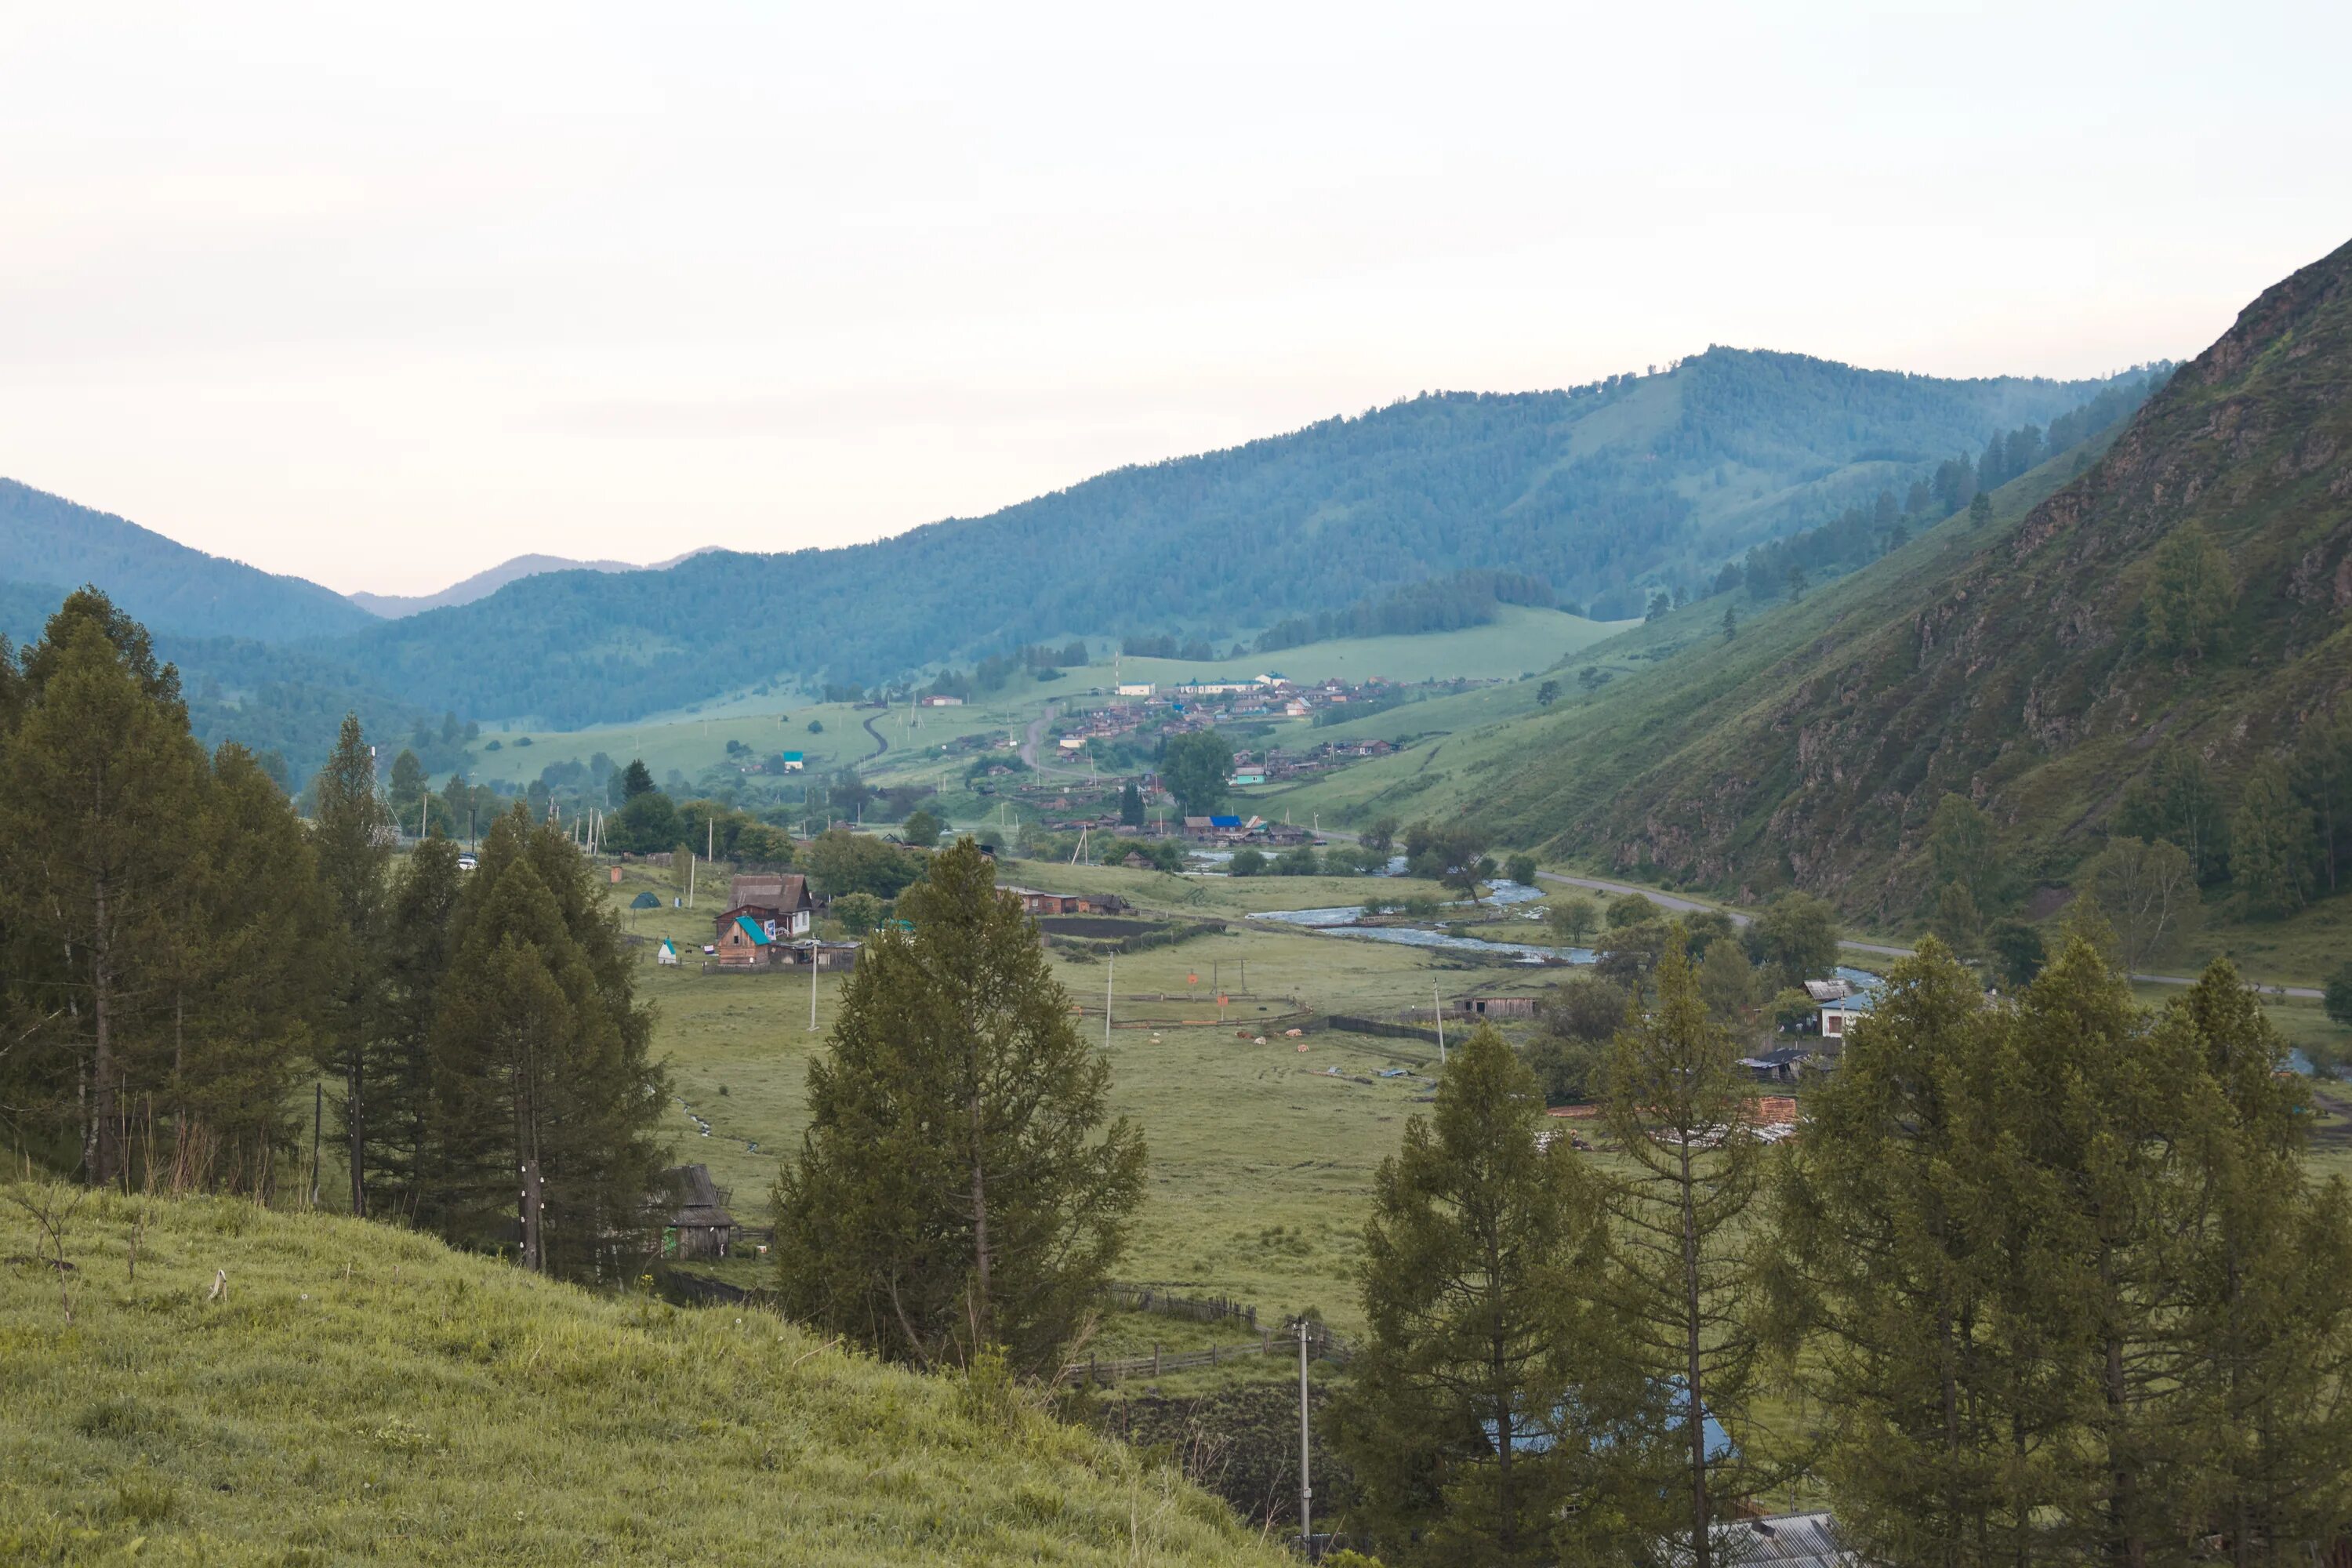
(420, 925)
(1491, 1401)
(1130, 805)
(97, 787)
(1730, 622)
(2270, 842)
(351, 832)
(1675, 1106)
(961, 1182)
(247, 992)
(540, 1066)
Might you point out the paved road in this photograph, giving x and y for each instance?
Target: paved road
(1665, 900)
(880, 744)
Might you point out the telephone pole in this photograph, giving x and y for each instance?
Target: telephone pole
(1306, 1458)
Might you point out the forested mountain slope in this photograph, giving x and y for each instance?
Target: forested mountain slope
(1604, 492)
(49, 546)
(2163, 637)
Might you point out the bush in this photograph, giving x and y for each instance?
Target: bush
(1298, 862)
(1246, 863)
(1521, 868)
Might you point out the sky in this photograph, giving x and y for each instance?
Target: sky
(381, 296)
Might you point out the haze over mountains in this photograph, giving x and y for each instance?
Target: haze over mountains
(1606, 491)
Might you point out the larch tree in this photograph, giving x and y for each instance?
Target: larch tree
(1886, 1282)
(1493, 1410)
(962, 1183)
(542, 1083)
(2266, 1364)
(417, 951)
(1680, 1273)
(350, 833)
(100, 789)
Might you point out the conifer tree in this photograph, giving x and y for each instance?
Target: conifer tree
(961, 1182)
(246, 995)
(1886, 1287)
(417, 951)
(2189, 594)
(350, 833)
(2268, 1330)
(540, 1072)
(97, 787)
(1492, 1404)
(1679, 1276)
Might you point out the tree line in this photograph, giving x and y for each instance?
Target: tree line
(185, 958)
(2039, 1279)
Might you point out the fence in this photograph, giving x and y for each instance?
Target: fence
(1200, 1308)
(1321, 1344)
(1383, 1028)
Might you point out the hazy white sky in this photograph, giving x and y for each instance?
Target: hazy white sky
(383, 295)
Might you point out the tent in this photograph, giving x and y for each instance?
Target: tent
(645, 901)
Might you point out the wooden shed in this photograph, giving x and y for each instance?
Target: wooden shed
(698, 1225)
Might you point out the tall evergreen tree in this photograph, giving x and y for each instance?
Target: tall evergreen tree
(1964, 849)
(2268, 1330)
(961, 1182)
(1130, 805)
(2322, 782)
(243, 951)
(99, 787)
(350, 831)
(1674, 1105)
(541, 1069)
(417, 951)
(1887, 1287)
(1493, 1408)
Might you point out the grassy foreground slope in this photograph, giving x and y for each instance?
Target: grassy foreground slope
(363, 1393)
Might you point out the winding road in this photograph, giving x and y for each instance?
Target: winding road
(880, 743)
(1036, 735)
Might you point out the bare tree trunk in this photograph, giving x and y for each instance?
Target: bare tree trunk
(355, 1116)
(1695, 1404)
(982, 1326)
(101, 981)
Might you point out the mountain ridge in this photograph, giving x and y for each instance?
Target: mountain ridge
(46, 540)
(2013, 663)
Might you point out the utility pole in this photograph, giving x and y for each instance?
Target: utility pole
(690, 879)
(1438, 1011)
(815, 950)
(318, 1120)
(1306, 1458)
(1108, 981)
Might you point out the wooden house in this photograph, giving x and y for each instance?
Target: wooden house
(780, 901)
(697, 1224)
(744, 943)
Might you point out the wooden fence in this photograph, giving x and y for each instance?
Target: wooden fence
(1200, 1308)
(1321, 1344)
(1386, 1028)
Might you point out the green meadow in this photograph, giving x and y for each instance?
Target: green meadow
(358, 1394)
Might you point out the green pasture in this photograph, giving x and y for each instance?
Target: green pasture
(355, 1393)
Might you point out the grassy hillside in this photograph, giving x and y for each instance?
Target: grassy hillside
(1600, 491)
(363, 1395)
(2009, 661)
(48, 540)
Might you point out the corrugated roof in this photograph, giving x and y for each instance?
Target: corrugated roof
(754, 930)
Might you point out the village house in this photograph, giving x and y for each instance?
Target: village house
(1036, 901)
(941, 701)
(778, 900)
(743, 944)
(698, 1225)
(793, 761)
